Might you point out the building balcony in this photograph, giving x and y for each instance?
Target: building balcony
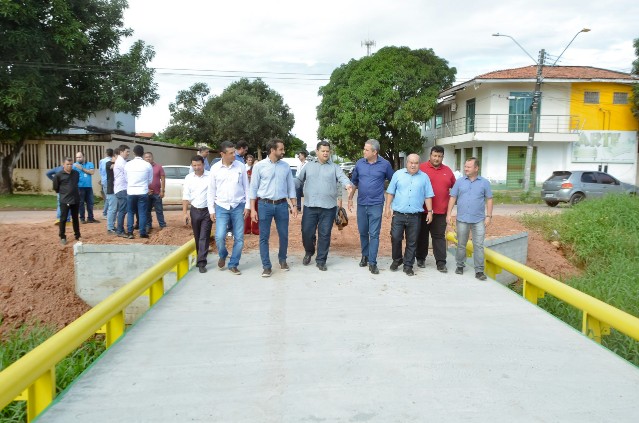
(507, 126)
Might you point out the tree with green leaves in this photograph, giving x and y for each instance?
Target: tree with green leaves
(60, 61)
(252, 111)
(385, 96)
(635, 87)
(246, 110)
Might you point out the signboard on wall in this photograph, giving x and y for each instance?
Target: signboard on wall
(605, 147)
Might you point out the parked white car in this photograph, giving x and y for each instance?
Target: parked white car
(175, 175)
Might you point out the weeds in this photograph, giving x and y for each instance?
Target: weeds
(20, 341)
(602, 236)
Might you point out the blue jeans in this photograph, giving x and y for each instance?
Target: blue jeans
(105, 210)
(155, 201)
(137, 204)
(369, 223)
(222, 218)
(267, 213)
(86, 196)
(479, 231)
(320, 220)
(111, 204)
(121, 212)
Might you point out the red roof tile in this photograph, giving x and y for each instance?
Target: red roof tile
(557, 72)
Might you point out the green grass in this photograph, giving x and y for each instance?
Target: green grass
(20, 341)
(517, 197)
(602, 238)
(28, 202)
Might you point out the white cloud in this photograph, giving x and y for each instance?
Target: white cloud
(317, 37)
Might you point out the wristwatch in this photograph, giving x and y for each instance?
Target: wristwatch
(430, 211)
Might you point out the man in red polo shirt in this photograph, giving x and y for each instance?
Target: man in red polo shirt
(442, 179)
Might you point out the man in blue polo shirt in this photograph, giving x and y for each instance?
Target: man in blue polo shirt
(102, 168)
(407, 193)
(85, 185)
(369, 176)
(474, 200)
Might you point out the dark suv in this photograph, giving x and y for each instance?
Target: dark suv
(573, 186)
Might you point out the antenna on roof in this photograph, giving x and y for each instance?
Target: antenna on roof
(368, 44)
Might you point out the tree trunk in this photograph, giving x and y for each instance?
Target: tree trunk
(259, 152)
(7, 163)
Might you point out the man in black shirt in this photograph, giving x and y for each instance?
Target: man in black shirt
(65, 183)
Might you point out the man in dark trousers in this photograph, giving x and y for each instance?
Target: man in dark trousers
(65, 183)
(194, 192)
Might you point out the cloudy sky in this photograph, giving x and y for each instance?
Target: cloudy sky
(294, 45)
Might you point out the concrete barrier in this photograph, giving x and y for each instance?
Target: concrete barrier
(101, 269)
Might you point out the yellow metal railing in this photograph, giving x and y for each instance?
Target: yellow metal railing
(598, 317)
(32, 377)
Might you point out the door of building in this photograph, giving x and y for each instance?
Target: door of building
(515, 167)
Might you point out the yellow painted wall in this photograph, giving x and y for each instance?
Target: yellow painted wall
(605, 115)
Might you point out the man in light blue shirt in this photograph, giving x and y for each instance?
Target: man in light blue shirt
(407, 193)
(103, 178)
(272, 183)
(86, 170)
(474, 200)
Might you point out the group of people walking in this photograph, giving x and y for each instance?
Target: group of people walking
(131, 189)
(419, 199)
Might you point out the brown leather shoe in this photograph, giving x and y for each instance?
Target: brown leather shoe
(235, 270)
(221, 263)
(284, 266)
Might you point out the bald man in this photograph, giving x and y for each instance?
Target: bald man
(407, 194)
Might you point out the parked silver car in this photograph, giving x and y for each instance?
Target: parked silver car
(573, 186)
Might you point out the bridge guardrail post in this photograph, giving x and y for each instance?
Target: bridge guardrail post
(114, 328)
(40, 394)
(156, 291)
(594, 328)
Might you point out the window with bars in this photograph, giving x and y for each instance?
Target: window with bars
(620, 98)
(591, 97)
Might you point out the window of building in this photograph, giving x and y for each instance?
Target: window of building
(620, 98)
(520, 111)
(591, 97)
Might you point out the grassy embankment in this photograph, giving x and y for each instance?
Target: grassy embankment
(602, 237)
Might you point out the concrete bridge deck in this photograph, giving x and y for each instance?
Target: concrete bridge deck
(344, 345)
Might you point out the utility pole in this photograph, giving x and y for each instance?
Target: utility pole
(533, 121)
(368, 44)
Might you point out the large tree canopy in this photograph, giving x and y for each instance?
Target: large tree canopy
(60, 61)
(635, 87)
(385, 96)
(247, 110)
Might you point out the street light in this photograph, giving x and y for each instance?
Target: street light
(573, 39)
(535, 104)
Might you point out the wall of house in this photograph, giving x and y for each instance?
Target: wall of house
(605, 115)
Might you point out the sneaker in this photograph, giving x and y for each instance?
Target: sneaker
(93, 221)
(480, 276)
(57, 222)
(363, 262)
(266, 273)
(409, 271)
(284, 266)
(229, 234)
(421, 263)
(63, 241)
(130, 235)
(396, 263)
(83, 221)
(122, 235)
(111, 232)
(321, 266)
(459, 270)
(235, 270)
(78, 239)
(202, 268)
(307, 259)
(144, 235)
(442, 268)
(221, 262)
(373, 269)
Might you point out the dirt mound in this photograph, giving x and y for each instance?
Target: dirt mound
(37, 281)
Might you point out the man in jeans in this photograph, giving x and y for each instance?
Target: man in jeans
(321, 181)
(103, 178)
(86, 170)
(228, 201)
(139, 175)
(272, 183)
(156, 193)
(407, 194)
(111, 201)
(474, 212)
(119, 188)
(369, 176)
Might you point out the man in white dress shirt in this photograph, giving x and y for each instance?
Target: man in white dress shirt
(194, 192)
(139, 174)
(228, 200)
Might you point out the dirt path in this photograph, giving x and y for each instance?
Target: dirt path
(37, 278)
